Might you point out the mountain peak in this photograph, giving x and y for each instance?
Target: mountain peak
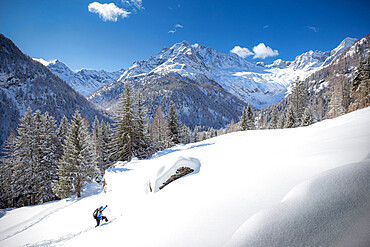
(46, 63)
(347, 42)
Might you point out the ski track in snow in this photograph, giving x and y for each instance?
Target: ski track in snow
(61, 240)
(36, 221)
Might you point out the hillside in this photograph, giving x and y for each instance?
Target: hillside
(314, 179)
(27, 83)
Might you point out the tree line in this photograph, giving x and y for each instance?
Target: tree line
(42, 161)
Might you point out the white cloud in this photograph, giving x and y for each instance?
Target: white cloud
(107, 11)
(315, 29)
(266, 26)
(241, 52)
(138, 4)
(174, 30)
(262, 51)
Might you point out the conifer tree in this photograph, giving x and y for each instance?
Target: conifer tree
(97, 144)
(24, 175)
(48, 157)
(281, 122)
(195, 135)
(36, 161)
(106, 137)
(243, 123)
(62, 129)
(77, 167)
(141, 143)
(124, 127)
(291, 119)
(7, 161)
(173, 123)
(273, 120)
(307, 118)
(186, 134)
(250, 118)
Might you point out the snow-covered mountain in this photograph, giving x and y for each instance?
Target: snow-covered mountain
(332, 89)
(258, 84)
(27, 83)
(255, 83)
(306, 186)
(84, 81)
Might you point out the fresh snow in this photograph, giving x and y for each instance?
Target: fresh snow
(255, 83)
(306, 186)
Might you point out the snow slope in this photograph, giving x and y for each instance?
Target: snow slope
(300, 187)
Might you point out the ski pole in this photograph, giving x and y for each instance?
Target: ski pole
(110, 212)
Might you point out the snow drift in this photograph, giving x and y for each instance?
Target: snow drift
(332, 209)
(307, 186)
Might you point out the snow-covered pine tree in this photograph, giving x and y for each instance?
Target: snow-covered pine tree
(141, 143)
(24, 177)
(298, 99)
(307, 117)
(273, 121)
(243, 123)
(97, 144)
(250, 118)
(61, 134)
(173, 123)
(77, 167)
(124, 127)
(186, 134)
(7, 161)
(195, 135)
(281, 122)
(62, 129)
(106, 134)
(291, 119)
(49, 157)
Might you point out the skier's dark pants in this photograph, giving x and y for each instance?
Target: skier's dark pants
(98, 220)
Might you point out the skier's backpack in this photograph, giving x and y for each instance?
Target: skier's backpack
(95, 214)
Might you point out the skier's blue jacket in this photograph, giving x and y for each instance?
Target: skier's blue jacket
(100, 212)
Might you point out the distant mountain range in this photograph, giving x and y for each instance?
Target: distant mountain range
(255, 83)
(84, 81)
(332, 90)
(209, 88)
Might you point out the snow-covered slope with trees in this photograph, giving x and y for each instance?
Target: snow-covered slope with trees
(247, 188)
(84, 81)
(26, 83)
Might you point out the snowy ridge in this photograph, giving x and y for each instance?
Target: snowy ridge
(84, 81)
(307, 176)
(259, 84)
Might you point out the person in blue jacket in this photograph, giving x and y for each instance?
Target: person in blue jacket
(99, 215)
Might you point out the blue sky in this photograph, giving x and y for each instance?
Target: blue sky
(92, 34)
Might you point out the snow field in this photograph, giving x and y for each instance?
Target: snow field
(247, 181)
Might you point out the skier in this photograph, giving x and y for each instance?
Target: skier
(98, 215)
